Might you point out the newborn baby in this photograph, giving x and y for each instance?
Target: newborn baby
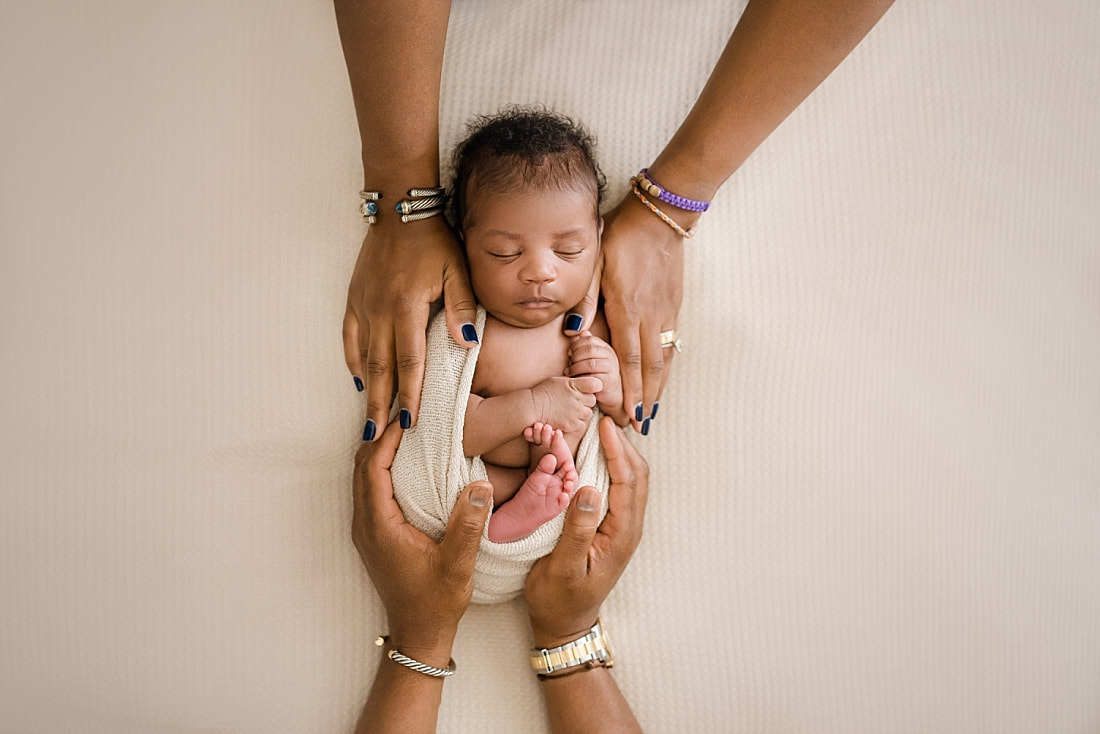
(526, 203)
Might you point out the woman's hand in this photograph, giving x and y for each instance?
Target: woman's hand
(643, 285)
(401, 269)
(591, 356)
(565, 589)
(425, 586)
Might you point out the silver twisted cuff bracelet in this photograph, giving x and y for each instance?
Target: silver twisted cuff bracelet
(416, 216)
(408, 206)
(420, 204)
(369, 207)
(416, 665)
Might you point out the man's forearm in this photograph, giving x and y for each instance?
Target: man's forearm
(394, 54)
(780, 51)
(401, 701)
(589, 701)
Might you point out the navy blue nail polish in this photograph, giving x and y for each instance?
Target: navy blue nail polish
(358, 384)
(638, 412)
(406, 419)
(369, 430)
(469, 333)
(645, 427)
(573, 322)
(653, 413)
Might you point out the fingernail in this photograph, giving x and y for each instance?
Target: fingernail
(588, 500)
(358, 384)
(645, 427)
(369, 430)
(573, 322)
(653, 413)
(469, 333)
(406, 419)
(480, 495)
(638, 412)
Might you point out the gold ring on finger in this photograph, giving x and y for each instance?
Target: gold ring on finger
(669, 339)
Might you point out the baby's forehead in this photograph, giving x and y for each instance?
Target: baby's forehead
(483, 192)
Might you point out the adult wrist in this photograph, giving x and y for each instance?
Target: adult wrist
(554, 635)
(399, 169)
(588, 650)
(418, 203)
(687, 220)
(432, 646)
(685, 180)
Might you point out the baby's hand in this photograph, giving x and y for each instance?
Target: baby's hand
(590, 355)
(566, 402)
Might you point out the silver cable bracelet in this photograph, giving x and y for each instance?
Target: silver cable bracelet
(416, 216)
(421, 204)
(416, 665)
(369, 207)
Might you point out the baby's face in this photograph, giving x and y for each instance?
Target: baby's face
(532, 254)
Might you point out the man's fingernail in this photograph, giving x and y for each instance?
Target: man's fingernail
(469, 333)
(573, 322)
(369, 430)
(358, 384)
(653, 413)
(638, 412)
(406, 419)
(645, 427)
(480, 495)
(588, 500)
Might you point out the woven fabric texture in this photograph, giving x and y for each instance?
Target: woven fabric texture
(430, 470)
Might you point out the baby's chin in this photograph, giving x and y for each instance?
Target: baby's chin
(532, 318)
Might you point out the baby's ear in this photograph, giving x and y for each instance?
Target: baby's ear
(599, 226)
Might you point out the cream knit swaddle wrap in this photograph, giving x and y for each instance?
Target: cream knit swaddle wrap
(430, 470)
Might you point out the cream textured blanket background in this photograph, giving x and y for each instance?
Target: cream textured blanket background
(876, 473)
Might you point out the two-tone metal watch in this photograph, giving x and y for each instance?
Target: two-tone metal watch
(592, 651)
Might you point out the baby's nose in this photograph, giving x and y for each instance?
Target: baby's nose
(538, 270)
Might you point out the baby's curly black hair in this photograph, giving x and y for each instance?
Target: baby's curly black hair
(524, 147)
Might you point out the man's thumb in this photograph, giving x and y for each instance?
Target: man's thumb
(581, 522)
(467, 523)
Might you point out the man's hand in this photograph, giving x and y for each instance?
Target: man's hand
(565, 589)
(401, 270)
(425, 586)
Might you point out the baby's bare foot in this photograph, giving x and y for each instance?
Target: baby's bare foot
(542, 496)
(541, 437)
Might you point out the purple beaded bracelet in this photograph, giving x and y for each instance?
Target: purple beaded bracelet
(651, 187)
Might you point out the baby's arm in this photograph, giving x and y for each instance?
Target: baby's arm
(493, 422)
(563, 402)
(592, 356)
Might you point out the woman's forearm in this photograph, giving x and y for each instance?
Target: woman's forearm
(394, 54)
(780, 51)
